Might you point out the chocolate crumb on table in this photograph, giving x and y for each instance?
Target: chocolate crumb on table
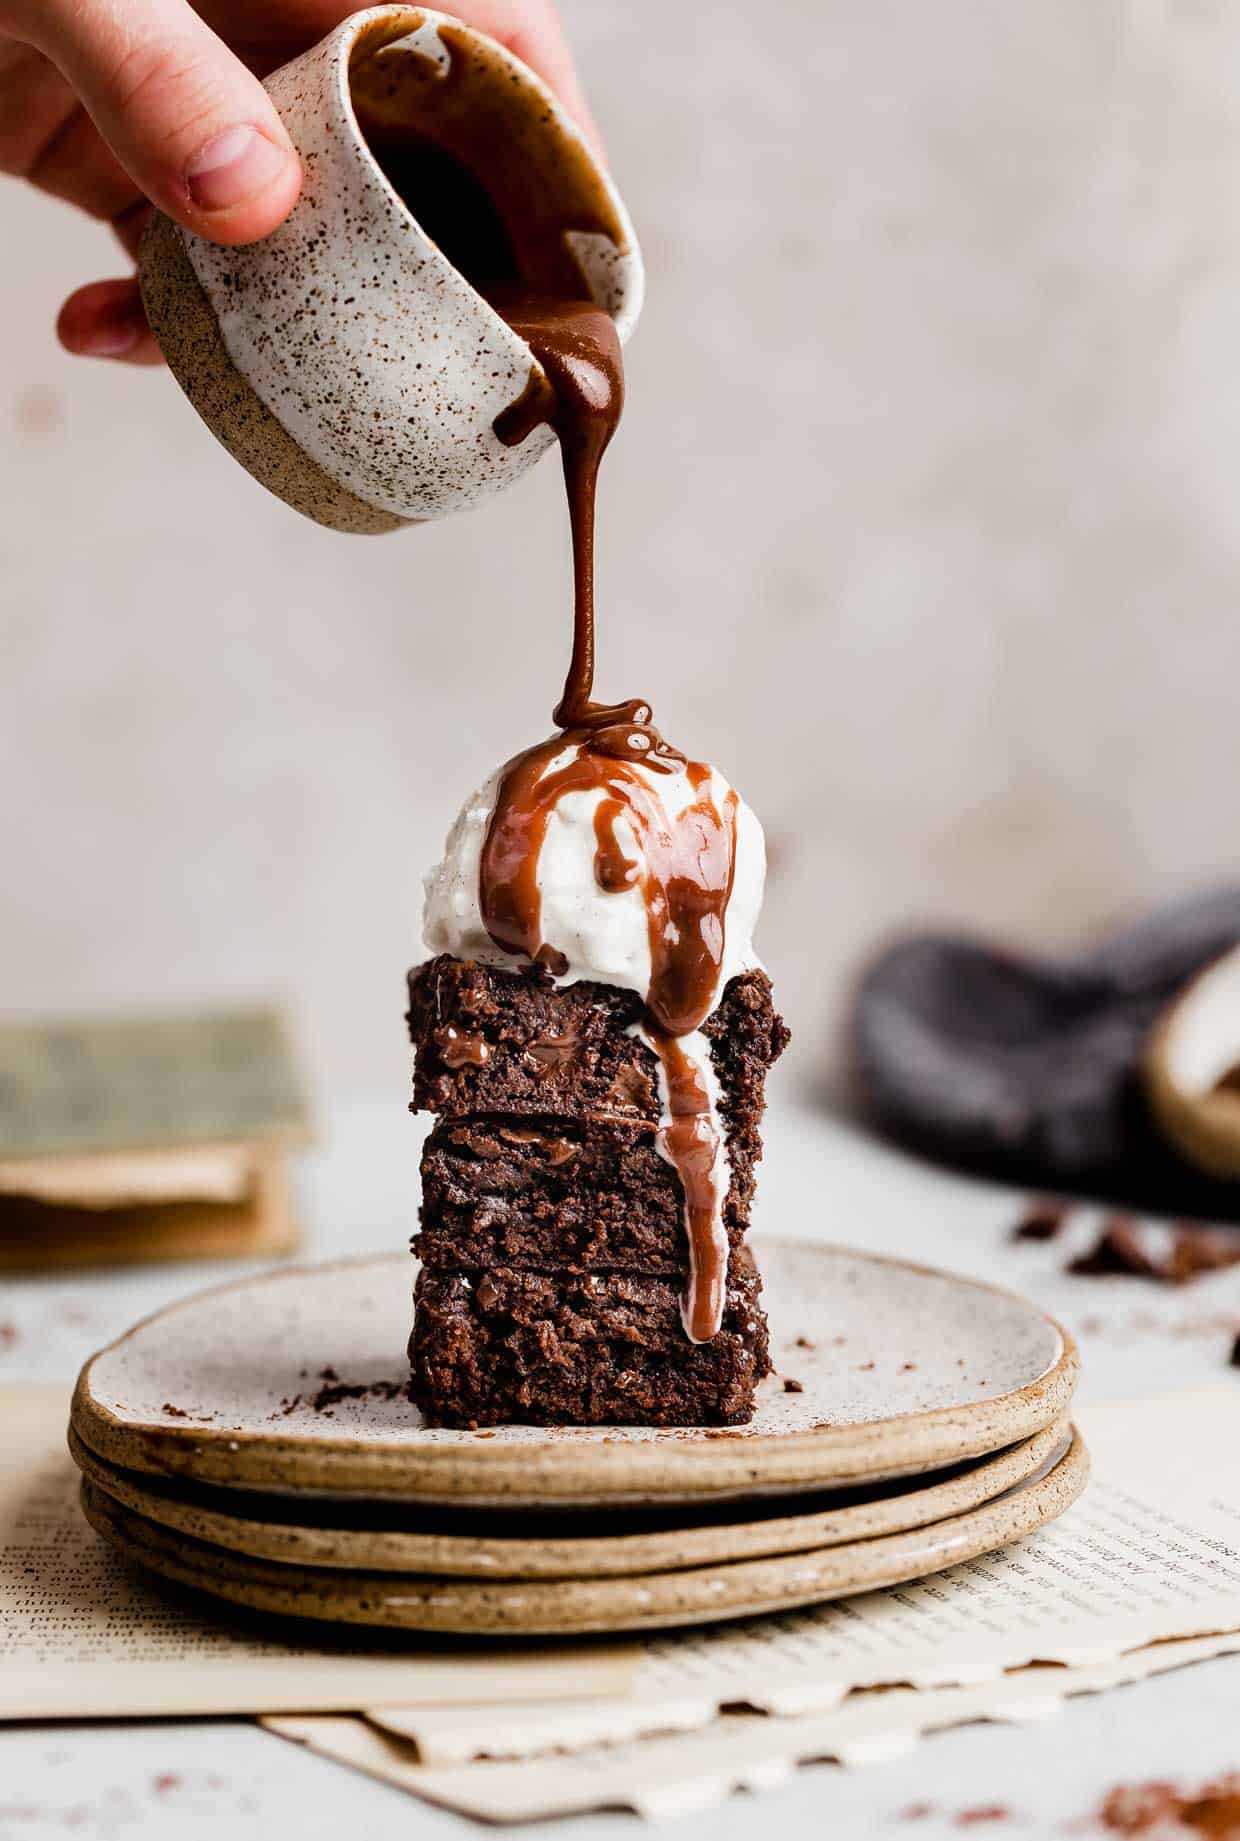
(1159, 1808)
(1041, 1221)
(1174, 1256)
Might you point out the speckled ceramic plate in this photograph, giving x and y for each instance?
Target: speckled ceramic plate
(894, 1369)
(399, 1537)
(572, 1607)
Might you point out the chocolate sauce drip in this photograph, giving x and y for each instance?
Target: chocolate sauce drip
(684, 866)
(690, 1141)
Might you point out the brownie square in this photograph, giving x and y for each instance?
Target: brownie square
(558, 1195)
(580, 1349)
(493, 1041)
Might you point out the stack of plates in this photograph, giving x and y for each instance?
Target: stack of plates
(255, 1442)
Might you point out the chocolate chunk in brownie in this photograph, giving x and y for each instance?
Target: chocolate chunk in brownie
(584, 1349)
(559, 1195)
(490, 1040)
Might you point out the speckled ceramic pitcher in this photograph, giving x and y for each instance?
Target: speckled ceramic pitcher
(344, 360)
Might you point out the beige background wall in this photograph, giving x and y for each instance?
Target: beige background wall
(922, 522)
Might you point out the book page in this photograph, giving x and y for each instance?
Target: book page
(84, 1636)
(674, 1774)
(114, 1179)
(1151, 1550)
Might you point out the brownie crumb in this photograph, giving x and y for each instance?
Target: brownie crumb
(1042, 1220)
(174, 1412)
(1158, 1807)
(334, 1391)
(803, 1342)
(793, 1387)
(984, 1812)
(8, 1335)
(1199, 1250)
(1122, 1250)
(1234, 1357)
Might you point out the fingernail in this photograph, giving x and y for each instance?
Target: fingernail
(110, 339)
(233, 166)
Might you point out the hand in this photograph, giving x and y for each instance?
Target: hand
(118, 105)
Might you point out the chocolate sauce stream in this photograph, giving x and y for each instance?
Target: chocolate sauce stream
(580, 396)
(684, 863)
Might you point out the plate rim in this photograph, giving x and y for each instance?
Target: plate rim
(728, 1461)
(780, 1583)
(622, 1555)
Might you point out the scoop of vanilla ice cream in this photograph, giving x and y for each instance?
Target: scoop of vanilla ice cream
(604, 936)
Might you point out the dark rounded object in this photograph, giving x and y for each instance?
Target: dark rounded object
(1028, 1067)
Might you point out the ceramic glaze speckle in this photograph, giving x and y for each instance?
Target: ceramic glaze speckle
(901, 1369)
(374, 355)
(565, 1607)
(610, 1545)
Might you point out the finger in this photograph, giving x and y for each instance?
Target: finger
(105, 320)
(130, 224)
(529, 28)
(47, 138)
(532, 31)
(193, 128)
(76, 165)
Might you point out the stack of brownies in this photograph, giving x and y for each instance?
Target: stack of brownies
(553, 1246)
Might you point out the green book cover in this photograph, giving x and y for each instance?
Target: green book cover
(148, 1083)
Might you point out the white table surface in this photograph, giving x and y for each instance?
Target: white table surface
(230, 1781)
